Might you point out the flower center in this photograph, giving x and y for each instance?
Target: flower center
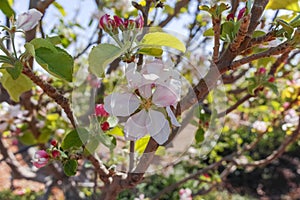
(146, 103)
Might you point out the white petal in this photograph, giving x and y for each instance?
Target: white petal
(121, 104)
(145, 91)
(29, 19)
(155, 122)
(135, 126)
(172, 117)
(133, 77)
(163, 136)
(3, 126)
(164, 96)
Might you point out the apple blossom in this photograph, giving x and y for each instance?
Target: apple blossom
(41, 158)
(28, 20)
(185, 194)
(139, 22)
(155, 87)
(105, 126)
(100, 111)
(55, 153)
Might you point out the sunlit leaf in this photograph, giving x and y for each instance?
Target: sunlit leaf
(102, 55)
(15, 87)
(158, 39)
(286, 4)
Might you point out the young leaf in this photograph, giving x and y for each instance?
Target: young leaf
(27, 138)
(75, 138)
(59, 63)
(6, 8)
(15, 87)
(199, 136)
(286, 4)
(157, 52)
(101, 56)
(158, 39)
(70, 167)
(16, 70)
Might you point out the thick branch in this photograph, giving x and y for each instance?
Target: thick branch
(52, 93)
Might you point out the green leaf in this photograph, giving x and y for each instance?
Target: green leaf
(15, 87)
(288, 28)
(43, 43)
(199, 136)
(54, 40)
(106, 139)
(75, 138)
(59, 63)
(59, 8)
(27, 138)
(209, 32)
(6, 8)
(158, 39)
(44, 136)
(91, 145)
(140, 144)
(16, 70)
(70, 167)
(286, 4)
(117, 131)
(258, 33)
(157, 52)
(102, 55)
(29, 49)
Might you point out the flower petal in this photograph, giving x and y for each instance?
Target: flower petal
(155, 122)
(29, 19)
(163, 136)
(135, 126)
(133, 77)
(121, 104)
(164, 96)
(172, 117)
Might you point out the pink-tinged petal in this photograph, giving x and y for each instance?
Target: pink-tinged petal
(41, 154)
(135, 126)
(164, 96)
(155, 122)
(133, 77)
(118, 21)
(103, 22)
(163, 135)
(145, 91)
(29, 19)
(172, 117)
(139, 22)
(154, 67)
(121, 104)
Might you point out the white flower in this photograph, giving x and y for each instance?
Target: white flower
(151, 91)
(10, 116)
(28, 20)
(260, 126)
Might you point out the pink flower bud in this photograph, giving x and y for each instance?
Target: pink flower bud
(28, 20)
(230, 17)
(129, 24)
(53, 143)
(105, 126)
(118, 21)
(262, 70)
(55, 153)
(241, 13)
(106, 23)
(100, 111)
(41, 158)
(139, 22)
(271, 79)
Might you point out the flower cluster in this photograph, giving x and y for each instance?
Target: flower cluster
(103, 115)
(185, 194)
(111, 26)
(42, 157)
(153, 92)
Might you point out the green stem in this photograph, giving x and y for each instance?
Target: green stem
(12, 36)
